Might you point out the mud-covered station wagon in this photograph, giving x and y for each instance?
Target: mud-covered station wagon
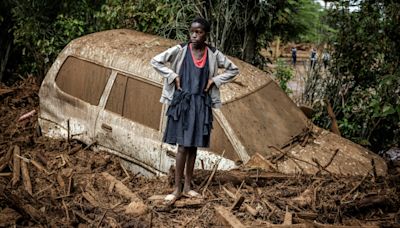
(103, 91)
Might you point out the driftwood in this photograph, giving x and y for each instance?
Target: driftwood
(4, 160)
(8, 217)
(238, 202)
(6, 174)
(137, 205)
(91, 199)
(248, 208)
(41, 158)
(39, 167)
(227, 218)
(367, 203)
(288, 217)
(212, 174)
(74, 150)
(26, 209)
(189, 203)
(16, 166)
(26, 177)
(237, 177)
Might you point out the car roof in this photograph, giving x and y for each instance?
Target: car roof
(130, 51)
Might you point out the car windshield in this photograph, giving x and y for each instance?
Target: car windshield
(265, 117)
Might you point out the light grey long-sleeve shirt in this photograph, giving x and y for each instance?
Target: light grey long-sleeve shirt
(175, 56)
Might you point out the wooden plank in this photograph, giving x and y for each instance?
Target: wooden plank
(6, 158)
(26, 178)
(189, 202)
(227, 217)
(248, 208)
(288, 217)
(16, 166)
(238, 202)
(137, 205)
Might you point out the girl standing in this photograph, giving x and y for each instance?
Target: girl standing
(191, 89)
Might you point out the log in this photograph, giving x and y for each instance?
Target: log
(259, 162)
(8, 217)
(40, 156)
(90, 197)
(16, 165)
(227, 218)
(6, 174)
(39, 167)
(236, 177)
(75, 149)
(155, 198)
(61, 182)
(306, 215)
(214, 170)
(288, 217)
(22, 207)
(4, 160)
(137, 205)
(304, 199)
(238, 202)
(26, 178)
(367, 203)
(191, 203)
(248, 208)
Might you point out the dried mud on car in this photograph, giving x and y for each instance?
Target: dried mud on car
(61, 183)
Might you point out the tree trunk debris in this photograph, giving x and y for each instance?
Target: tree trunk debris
(73, 187)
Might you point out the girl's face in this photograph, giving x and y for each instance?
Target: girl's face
(197, 34)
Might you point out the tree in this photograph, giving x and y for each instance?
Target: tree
(365, 81)
(40, 29)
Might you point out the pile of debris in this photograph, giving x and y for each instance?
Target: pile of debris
(45, 182)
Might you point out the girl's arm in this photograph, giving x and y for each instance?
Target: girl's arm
(231, 70)
(160, 60)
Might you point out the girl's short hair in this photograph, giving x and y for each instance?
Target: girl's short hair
(206, 25)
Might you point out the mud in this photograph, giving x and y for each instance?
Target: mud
(69, 188)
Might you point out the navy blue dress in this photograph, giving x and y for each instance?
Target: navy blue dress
(190, 113)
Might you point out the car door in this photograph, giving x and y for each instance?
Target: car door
(69, 100)
(129, 122)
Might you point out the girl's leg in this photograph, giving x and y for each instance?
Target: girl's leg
(180, 166)
(191, 158)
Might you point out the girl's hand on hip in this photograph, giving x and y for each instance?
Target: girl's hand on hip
(178, 83)
(209, 85)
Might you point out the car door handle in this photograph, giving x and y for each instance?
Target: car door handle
(106, 127)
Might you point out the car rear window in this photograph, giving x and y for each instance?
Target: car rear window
(83, 79)
(266, 117)
(136, 100)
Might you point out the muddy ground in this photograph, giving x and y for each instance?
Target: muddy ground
(56, 183)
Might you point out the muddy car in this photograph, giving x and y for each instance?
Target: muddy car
(102, 90)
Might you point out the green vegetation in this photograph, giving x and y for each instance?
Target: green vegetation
(34, 32)
(364, 81)
(301, 22)
(284, 74)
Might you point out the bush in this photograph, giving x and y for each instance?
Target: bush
(364, 81)
(284, 74)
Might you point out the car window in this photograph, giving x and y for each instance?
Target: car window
(136, 100)
(264, 118)
(83, 79)
(115, 102)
